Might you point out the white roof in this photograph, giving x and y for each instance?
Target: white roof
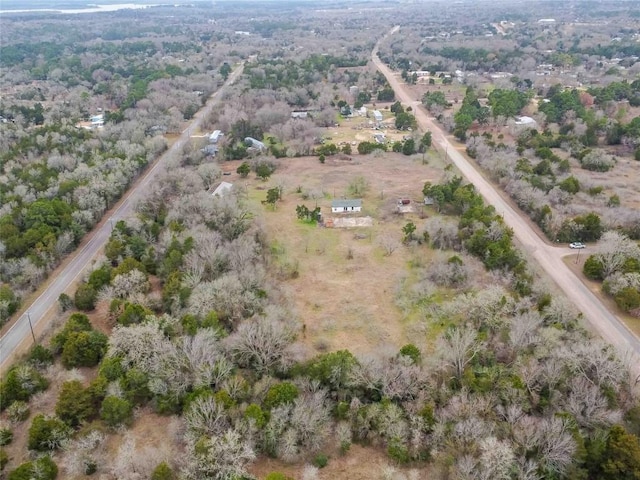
(222, 189)
(524, 120)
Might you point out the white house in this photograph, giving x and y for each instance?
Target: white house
(257, 144)
(97, 121)
(377, 116)
(222, 189)
(346, 206)
(299, 114)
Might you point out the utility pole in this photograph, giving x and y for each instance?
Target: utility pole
(31, 327)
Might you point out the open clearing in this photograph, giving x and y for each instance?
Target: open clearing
(340, 280)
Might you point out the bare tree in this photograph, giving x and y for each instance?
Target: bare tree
(614, 249)
(219, 457)
(457, 348)
(261, 343)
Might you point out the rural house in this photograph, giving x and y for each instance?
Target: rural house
(222, 189)
(346, 206)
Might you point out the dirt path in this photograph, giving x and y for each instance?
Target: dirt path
(601, 320)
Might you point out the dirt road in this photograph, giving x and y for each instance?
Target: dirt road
(18, 338)
(601, 320)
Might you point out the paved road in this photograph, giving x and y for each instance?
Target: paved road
(549, 257)
(18, 338)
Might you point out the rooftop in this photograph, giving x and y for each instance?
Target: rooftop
(346, 203)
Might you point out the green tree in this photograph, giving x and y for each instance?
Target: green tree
(273, 195)
(280, 394)
(408, 231)
(593, 268)
(85, 297)
(116, 411)
(46, 433)
(257, 415)
(621, 457)
(225, 70)
(244, 169)
(75, 404)
(19, 383)
(409, 147)
(264, 171)
(42, 468)
(84, 349)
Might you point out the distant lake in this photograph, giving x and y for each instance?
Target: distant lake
(91, 8)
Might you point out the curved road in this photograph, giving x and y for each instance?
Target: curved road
(606, 324)
(18, 338)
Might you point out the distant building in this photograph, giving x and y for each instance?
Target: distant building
(257, 144)
(527, 121)
(210, 150)
(363, 111)
(354, 91)
(380, 138)
(547, 20)
(222, 189)
(299, 114)
(377, 116)
(215, 136)
(346, 206)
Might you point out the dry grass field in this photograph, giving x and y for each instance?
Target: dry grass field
(340, 280)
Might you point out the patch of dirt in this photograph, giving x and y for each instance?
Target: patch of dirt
(359, 463)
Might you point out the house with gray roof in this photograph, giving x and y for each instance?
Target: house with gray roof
(346, 206)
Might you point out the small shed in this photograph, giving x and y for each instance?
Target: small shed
(222, 189)
(377, 116)
(215, 136)
(346, 206)
(380, 138)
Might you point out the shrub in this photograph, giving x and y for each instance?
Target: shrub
(100, 277)
(18, 411)
(398, 451)
(65, 302)
(597, 161)
(111, 368)
(628, 299)
(116, 411)
(20, 383)
(331, 369)
(277, 476)
(4, 459)
(6, 436)
(85, 297)
(570, 185)
(78, 322)
(320, 460)
(40, 356)
(593, 268)
(255, 413)
(411, 351)
(41, 469)
(47, 433)
(163, 472)
(285, 392)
